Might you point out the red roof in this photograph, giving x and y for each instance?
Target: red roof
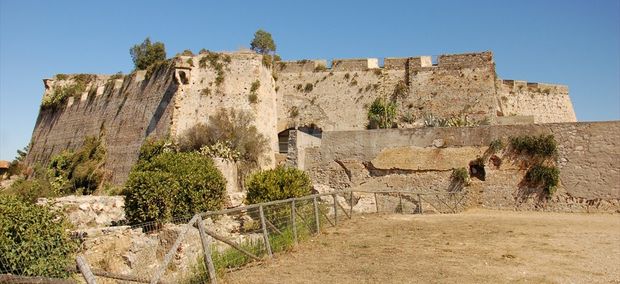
(4, 164)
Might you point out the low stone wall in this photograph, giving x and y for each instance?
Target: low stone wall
(423, 159)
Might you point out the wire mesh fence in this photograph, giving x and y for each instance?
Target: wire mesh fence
(204, 247)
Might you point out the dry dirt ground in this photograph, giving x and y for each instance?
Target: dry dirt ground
(478, 246)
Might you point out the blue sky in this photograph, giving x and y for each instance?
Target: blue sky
(576, 43)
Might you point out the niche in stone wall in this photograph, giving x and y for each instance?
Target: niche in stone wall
(182, 76)
(476, 169)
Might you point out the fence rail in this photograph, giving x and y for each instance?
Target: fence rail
(264, 229)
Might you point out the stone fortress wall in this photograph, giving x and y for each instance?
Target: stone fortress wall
(337, 97)
(422, 160)
(129, 109)
(126, 111)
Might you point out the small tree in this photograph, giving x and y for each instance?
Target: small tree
(147, 53)
(263, 42)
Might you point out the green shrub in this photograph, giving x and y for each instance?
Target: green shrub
(155, 67)
(460, 175)
(148, 196)
(73, 88)
(381, 114)
(308, 88)
(276, 184)
(32, 189)
(496, 146)
(320, 68)
(118, 75)
(153, 147)
(230, 126)
(205, 92)
(543, 176)
(147, 54)
(190, 180)
(34, 240)
(253, 98)
(266, 60)
(81, 171)
(543, 146)
(255, 86)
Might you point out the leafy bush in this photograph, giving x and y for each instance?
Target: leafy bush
(147, 54)
(173, 184)
(32, 189)
(460, 175)
(81, 171)
(230, 126)
(276, 184)
(73, 88)
(255, 86)
(34, 240)
(308, 88)
(496, 146)
(263, 42)
(546, 177)
(148, 196)
(543, 146)
(381, 114)
(253, 98)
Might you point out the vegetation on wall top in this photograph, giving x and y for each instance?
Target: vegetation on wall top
(75, 86)
(147, 54)
(263, 42)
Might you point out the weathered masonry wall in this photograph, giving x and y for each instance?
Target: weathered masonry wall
(200, 96)
(546, 103)
(422, 160)
(338, 98)
(458, 85)
(125, 110)
(176, 97)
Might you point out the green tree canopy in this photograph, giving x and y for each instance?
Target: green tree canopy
(263, 42)
(147, 53)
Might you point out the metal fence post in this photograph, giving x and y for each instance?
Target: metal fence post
(293, 220)
(335, 210)
(316, 215)
(265, 234)
(85, 269)
(206, 249)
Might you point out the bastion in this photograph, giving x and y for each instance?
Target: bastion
(315, 96)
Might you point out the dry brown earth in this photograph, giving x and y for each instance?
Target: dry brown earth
(478, 246)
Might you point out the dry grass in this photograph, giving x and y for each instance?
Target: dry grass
(478, 246)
